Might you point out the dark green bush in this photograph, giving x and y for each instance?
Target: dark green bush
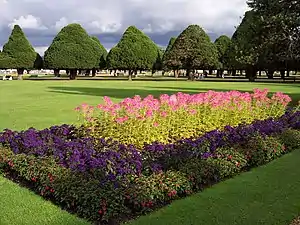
(200, 172)
(291, 139)
(148, 191)
(228, 162)
(73, 191)
(261, 150)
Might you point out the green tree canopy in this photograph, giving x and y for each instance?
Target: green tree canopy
(280, 39)
(72, 49)
(18, 53)
(134, 51)
(167, 53)
(245, 41)
(193, 49)
(102, 53)
(222, 44)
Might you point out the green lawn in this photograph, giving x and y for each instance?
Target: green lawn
(44, 103)
(267, 194)
(19, 206)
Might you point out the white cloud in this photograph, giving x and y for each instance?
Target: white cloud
(114, 16)
(109, 16)
(28, 22)
(61, 23)
(41, 49)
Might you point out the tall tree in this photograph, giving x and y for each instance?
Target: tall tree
(222, 44)
(102, 56)
(135, 51)
(245, 51)
(280, 41)
(72, 49)
(18, 52)
(166, 63)
(193, 49)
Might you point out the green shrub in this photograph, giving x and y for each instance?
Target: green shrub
(73, 191)
(200, 172)
(227, 162)
(261, 150)
(148, 191)
(291, 139)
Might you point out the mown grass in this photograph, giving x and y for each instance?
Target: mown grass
(264, 196)
(268, 195)
(44, 103)
(19, 206)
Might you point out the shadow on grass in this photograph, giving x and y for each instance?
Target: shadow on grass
(155, 91)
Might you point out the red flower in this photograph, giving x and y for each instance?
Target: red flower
(100, 212)
(33, 179)
(230, 157)
(52, 190)
(47, 188)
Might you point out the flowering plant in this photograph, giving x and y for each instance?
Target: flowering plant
(170, 118)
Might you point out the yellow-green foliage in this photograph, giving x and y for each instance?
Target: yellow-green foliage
(167, 119)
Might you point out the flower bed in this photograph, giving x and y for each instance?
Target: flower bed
(101, 179)
(170, 118)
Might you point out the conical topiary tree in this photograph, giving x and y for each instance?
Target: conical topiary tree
(169, 64)
(222, 44)
(193, 49)
(18, 53)
(102, 56)
(135, 51)
(72, 49)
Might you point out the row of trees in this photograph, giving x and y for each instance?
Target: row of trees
(268, 39)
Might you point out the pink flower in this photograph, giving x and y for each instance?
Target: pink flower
(107, 100)
(164, 114)
(173, 99)
(155, 124)
(193, 112)
(121, 120)
(149, 113)
(77, 109)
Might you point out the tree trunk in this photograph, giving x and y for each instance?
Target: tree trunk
(68, 72)
(218, 73)
(190, 74)
(282, 74)
(94, 72)
(130, 75)
(87, 73)
(259, 73)
(233, 72)
(175, 73)
(288, 73)
(210, 72)
(73, 74)
(20, 74)
(270, 74)
(56, 73)
(251, 73)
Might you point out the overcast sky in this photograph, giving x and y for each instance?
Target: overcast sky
(107, 19)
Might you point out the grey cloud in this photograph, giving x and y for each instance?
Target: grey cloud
(160, 19)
